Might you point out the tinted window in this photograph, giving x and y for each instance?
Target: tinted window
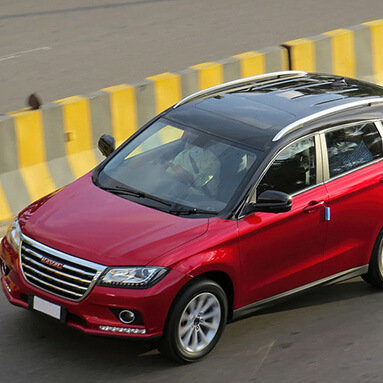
(180, 165)
(293, 170)
(351, 147)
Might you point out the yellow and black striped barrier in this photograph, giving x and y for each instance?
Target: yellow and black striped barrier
(44, 149)
(41, 150)
(352, 52)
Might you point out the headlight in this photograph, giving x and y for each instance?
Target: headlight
(14, 235)
(133, 277)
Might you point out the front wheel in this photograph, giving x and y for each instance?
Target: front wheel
(375, 268)
(195, 322)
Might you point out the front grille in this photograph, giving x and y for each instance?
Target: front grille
(56, 272)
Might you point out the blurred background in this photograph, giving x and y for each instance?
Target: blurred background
(59, 49)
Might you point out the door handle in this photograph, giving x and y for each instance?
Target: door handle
(314, 205)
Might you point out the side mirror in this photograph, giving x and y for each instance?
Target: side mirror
(270, 201)
(106, 144)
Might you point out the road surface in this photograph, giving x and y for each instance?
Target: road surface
(59, 49)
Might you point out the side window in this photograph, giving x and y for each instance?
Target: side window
(352, 146)
(293, 170)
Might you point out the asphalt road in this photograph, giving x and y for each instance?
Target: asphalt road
(64, 48)
(58, 49)
(332, 334)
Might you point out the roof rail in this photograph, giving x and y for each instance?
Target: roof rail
(336, 109)
(240, 82)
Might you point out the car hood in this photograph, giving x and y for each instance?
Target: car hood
(90, 223)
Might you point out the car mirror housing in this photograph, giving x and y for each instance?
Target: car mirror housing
(106, 144)
(270, 201)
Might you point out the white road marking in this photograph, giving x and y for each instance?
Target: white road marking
(252, 361)
(18, 54)
(263, 352)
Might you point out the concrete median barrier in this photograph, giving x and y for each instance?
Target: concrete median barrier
(41, 150)
(354, 52)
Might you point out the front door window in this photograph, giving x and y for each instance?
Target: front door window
(293, 170)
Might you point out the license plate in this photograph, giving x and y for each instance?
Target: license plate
(47, 308)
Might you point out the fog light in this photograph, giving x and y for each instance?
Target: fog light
(126, 316)
(5, 269)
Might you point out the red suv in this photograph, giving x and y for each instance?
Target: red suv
(235, 197)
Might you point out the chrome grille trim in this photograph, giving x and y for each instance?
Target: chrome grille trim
(89, 275)
(51, 288)
(54, 280)
(49, 269)
(73, 281)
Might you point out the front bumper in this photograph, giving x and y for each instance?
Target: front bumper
(97, 313)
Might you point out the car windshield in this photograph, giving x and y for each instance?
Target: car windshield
(177, 169)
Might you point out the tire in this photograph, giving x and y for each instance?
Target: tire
(195, 322)
(375, 268)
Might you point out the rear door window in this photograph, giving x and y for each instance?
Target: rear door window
(351, 147)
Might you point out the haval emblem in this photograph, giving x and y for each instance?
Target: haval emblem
(51, 262)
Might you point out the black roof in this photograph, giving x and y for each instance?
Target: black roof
(254, 115)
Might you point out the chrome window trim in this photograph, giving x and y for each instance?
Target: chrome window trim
(228, 86)
(318, 158)
(335, 278)
(340, 108)
(379, 126)
(354, 170)
(325, 161)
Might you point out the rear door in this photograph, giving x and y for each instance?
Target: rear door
(354, 185)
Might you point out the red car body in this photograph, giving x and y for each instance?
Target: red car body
(132, 234)
(327, 233)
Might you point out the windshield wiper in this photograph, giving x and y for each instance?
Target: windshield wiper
(134, 193)
(183, 211)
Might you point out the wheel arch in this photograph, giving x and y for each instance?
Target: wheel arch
(222, 279)
(217, 276)
(220, 285)
(374, 276)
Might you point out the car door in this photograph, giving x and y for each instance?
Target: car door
(354, 185)
(284, 251)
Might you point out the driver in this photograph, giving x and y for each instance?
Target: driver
(197, 165)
